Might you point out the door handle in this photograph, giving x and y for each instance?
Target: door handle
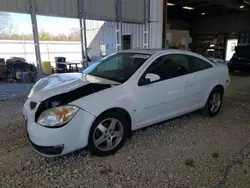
(188, 84)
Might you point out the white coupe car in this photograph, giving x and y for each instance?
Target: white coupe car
(126, 91)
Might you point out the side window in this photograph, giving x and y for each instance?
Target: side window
(197, 64)
(169, 66)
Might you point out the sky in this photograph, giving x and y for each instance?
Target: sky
(53, 25)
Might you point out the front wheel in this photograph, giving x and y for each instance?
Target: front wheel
(214, 102)
(107, 134)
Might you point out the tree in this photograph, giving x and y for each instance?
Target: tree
(60, 37)
(43, 36)
(74, 34)
(6, 26)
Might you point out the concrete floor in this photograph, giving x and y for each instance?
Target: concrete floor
(9, 91)
(240, 86)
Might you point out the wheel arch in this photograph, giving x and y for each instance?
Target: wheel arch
(220, 87)
(211, 89)
(119, 110)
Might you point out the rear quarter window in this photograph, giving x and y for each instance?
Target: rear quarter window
(196, 64)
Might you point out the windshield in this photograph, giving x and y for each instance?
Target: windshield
(119, 67)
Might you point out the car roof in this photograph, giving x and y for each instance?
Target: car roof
(159, 51)
(144, 51)
(156, 51)
(168, 51)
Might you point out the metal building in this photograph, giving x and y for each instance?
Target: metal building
(145, 12)
(105, 36)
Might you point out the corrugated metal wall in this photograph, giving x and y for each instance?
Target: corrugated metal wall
(132, 10)
(20, 6)
(63, 8)
(98, 10)
(108, 29)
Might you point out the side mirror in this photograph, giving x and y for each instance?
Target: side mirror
(149, 77)
(152, 77)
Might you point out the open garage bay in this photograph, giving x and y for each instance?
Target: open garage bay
(190, 151)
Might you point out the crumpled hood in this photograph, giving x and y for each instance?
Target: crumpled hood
(62, 83)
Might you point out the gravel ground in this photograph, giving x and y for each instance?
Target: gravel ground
(190, 151)
(14, 90)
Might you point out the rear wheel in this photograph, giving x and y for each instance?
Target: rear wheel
(214, 102)
(107, 134)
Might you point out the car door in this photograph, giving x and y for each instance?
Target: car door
(166, 97)
(201, 75)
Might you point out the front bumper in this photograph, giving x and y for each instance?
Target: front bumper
(51, 142)
(47, 150)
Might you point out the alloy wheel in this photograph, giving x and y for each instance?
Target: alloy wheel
(108, 134)
(215, 102)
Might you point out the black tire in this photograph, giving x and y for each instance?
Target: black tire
(122, 119)
(207, 109)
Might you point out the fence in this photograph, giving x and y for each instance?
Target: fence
(49, 50)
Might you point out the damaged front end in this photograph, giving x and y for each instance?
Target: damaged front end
(66, 98)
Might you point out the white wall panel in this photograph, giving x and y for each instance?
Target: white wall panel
(108, 29)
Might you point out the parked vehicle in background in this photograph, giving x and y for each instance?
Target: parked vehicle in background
(240, 59)
(126, 91)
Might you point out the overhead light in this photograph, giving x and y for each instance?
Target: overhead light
(203, 13)
(210, 50)
(170, 4)
(212, 45)
(242, 6)
(188, 8)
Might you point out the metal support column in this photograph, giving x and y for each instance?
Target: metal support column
(81, 35)
(164, 22)
(32, 9)
(84, 45)
(119, 40)
(146, 24)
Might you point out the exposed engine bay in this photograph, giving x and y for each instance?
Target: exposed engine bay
(68, 97)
